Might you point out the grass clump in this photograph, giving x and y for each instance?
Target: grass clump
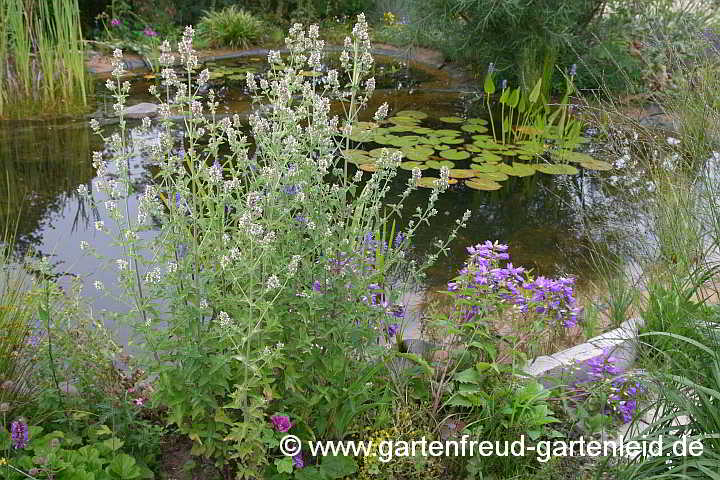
(230, 27)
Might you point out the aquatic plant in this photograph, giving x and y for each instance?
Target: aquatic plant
(42, 69)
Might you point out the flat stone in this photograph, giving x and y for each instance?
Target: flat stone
(570, 366)
(141, 110)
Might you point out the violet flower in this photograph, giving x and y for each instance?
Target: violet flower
(149, 32)
(19, 434)
(281, 423)
(115, 22)
(298, 461)
(392, 329)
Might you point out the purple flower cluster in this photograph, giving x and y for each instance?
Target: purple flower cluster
(603, 366)
(19, 434)
(281, 423)
(149, 32)
(485, 279)
(622, 400)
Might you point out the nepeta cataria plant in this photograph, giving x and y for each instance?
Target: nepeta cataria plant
(258, 282)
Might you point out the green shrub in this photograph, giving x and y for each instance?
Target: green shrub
(230, 27)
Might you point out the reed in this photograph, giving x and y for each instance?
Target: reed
(42, 69)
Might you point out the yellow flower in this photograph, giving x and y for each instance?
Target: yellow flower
(3, 461)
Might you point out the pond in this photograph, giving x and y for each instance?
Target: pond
(549, 220)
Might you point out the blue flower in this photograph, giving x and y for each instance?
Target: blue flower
(19, 434)
(392, 329)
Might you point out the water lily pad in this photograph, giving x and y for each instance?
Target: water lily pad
(477, 121)
(463, 173)
(445, 132)
(556, 169)
(403, 120)
(482, 184)
(422, 130)
(438, 164)
(452, 154)
(484, 168)
(521, 170)
(429, 182)
(596, 165)
(413, 165)
(310, 73)
(378, 152)
(362, 137)
(368, 167)
(474, 128)
(526, 157)
(494, 176)
(451, 119)
(412, 114)
(472, 148)
(401, 128)
(452, 140)
(365, 125)
(357, 157)
(488, 156)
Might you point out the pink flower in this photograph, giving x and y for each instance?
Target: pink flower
(150, 32)
(281, 423)
(115, 22)
(139, 401)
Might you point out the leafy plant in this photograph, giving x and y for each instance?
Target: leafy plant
(96, 454)
(267, 260)
(230, 27)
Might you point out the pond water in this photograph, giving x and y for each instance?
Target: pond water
(548, 220)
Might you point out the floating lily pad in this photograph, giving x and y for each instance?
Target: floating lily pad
(484, 168)
(413, 165)
(452, 154)
(429, 182)
(487, 156)
(365, 125)
(445, 132)
(368, 167)
(474, 128)
(463, 173)
(556, 169)
(401, 128)
(525, 157)
(521, 170)
(362, 137)
(438, 164)
(477, 121)
(596, 165)
(412, 114)
(472, 148)
(494, 176)
(378, 152)
(403, 120)
(482, 184)
(310, 73)
(357, 157)
(422, 130)
(451, 119)
(452, 140)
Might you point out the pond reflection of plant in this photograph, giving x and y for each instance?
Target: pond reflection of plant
(43, 163)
